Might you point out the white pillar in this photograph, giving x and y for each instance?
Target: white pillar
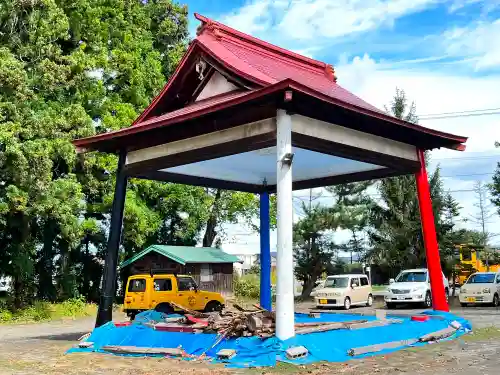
(285, 325)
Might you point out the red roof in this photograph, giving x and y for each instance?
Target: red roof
(267, 68)
(269, 64)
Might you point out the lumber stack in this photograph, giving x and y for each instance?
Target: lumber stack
(242, 322)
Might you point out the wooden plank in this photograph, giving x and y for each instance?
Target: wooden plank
(322, 328)
(355, 324)
(379, 347)
(119, 349)
(374, 323)
(438, 335)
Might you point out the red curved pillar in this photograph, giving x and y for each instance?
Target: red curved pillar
(430, 239)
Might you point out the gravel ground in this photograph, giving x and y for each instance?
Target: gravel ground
(37, 349)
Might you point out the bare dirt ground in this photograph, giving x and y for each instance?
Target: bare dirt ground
(37, 349)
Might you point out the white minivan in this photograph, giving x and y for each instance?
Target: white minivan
(345, 291)
(412, 286)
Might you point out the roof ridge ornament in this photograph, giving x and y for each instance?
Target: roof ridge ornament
(212, 27)
(330, 72)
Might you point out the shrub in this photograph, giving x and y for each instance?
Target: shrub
(38, 311)
(5, 316)
(247, 286)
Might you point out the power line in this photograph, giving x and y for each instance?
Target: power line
(462, 115)
(459, 112)
(469, 175)
(467, 157)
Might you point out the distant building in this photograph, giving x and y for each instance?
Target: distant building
(247, 261)
(5, 284)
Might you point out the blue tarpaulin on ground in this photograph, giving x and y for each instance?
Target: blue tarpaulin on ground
(329, 346)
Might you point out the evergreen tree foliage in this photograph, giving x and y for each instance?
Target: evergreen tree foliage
(395, 232)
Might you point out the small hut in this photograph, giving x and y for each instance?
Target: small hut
(211, 267)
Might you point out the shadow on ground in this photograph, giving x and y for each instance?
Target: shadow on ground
(73, 336)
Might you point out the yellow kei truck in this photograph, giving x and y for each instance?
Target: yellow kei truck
(146, 292)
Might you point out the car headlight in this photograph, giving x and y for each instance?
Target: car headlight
(486, 290)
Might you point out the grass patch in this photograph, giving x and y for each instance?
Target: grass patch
(481, 334)
(44, 311)
(379, 288)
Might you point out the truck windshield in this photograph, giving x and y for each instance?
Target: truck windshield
(336, 282)
(481, 278)
(412, 277)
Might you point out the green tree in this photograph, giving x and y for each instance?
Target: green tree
(314, 248)
(354, 204)
(395, 232)
(69, 69)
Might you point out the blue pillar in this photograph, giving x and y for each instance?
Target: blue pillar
(265, 253)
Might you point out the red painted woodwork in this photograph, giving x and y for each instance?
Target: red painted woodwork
(430, 240)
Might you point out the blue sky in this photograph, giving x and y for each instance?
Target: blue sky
(445, 54)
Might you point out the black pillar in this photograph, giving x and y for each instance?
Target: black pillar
(108, 291)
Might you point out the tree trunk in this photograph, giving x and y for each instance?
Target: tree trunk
(308, 287)
(210, 232)
(46, 288)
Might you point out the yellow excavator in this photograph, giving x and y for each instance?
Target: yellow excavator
(470, 261)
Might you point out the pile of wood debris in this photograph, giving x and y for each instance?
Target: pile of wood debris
(241, 322)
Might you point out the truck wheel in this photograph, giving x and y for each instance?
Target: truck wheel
(164, 308)
(213, 306)
(369, 302)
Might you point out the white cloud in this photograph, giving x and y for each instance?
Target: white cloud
(433, 92)
(251, 18)
(480, 40)
(312, 19)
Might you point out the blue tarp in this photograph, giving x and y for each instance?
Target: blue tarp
(329, 346)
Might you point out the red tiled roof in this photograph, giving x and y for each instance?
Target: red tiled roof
(268, 67)
(196, 106)
(270, 64)
(178, 115)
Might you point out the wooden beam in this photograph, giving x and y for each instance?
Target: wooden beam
(336, 140)
(198, 181)
(341, 179)
(243, 138)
